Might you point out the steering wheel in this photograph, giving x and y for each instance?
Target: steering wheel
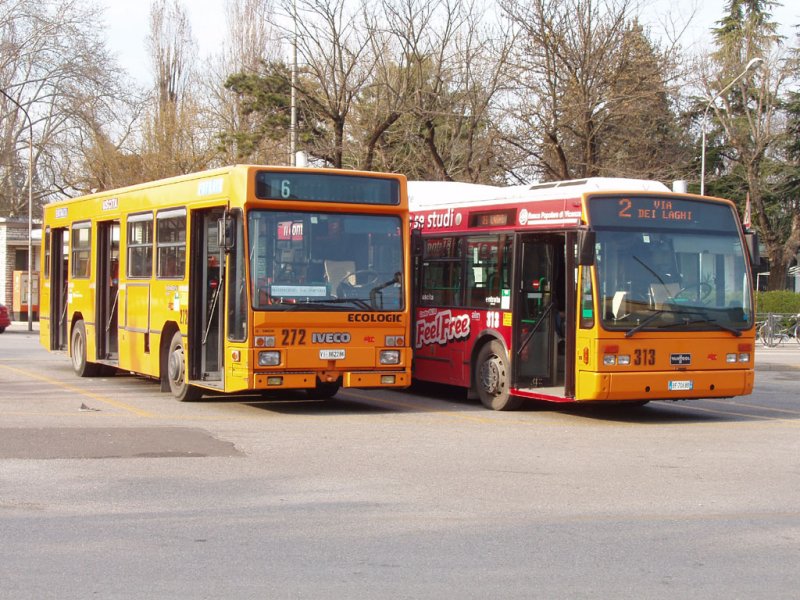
(366, 277)
(703, 288)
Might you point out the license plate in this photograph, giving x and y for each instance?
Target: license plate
(680, 386)
(331, 354)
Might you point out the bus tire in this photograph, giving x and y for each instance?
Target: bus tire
(176, 372)
(80, 365)
(492, 378)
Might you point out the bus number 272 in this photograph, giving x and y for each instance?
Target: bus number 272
(293, 336)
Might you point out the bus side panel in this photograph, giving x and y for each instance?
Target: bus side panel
(443, 345)
(82, 305)
(134, 339)
(44, 311)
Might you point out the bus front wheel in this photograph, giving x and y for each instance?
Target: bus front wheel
(492, 378)
(80, 365)
(176, 371)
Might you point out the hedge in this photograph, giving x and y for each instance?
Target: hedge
(778, 302)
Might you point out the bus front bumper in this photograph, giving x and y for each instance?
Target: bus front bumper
(354, 379)
(663, 385)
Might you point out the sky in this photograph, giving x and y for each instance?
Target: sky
(127, 25)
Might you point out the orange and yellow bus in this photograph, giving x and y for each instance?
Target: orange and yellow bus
(239, 278)
(581, 291)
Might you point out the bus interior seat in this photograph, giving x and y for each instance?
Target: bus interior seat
(337, 271)
(619, 305)
(661, 292)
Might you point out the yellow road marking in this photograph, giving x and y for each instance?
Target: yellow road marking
(121, 405)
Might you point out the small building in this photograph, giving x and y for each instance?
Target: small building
(14, 266)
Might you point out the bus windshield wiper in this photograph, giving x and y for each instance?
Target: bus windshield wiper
(643, 324)
(704, 320)
(324, 303)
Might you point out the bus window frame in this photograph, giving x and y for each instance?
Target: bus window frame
(76, 248)
(456, 260)
(170, 214)
(131, 248)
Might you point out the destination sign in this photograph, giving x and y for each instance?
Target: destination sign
(660, 212)
(327, 187)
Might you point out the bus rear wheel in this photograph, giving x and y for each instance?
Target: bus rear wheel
(492, 378)
(176, 372)
(80, 365)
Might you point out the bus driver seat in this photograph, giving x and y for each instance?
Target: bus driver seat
(337, 271)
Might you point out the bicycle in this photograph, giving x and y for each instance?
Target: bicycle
(773, 331)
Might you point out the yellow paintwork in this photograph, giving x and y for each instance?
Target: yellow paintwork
(146, 307)
(710, 374)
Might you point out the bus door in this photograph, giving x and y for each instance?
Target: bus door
(107, 290)
(59, 274)
(206, 299)
(538, 360)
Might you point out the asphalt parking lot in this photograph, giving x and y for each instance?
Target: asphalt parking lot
(111, 488)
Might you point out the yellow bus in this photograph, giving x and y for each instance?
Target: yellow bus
(591, 290)
(240, 278)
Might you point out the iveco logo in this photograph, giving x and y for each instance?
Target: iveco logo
(680, 359)
(330, 338)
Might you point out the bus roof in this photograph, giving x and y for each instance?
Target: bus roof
(427, 195)
(238, 171)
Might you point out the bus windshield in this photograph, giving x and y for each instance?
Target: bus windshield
(325, 261)
(672, 280)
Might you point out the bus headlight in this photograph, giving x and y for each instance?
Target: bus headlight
(624, 359)
(390, 357)
(265, 341)
(745, 357)
(730, 358)
(609, 360)
(269, 358)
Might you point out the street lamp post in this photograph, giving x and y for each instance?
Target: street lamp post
(30, 208)
(293, 125)
(753, 64)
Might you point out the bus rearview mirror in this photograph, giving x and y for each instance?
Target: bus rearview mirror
(586, 241)
(225, 232)
(751, 239)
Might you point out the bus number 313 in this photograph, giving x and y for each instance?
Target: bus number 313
(644, 356)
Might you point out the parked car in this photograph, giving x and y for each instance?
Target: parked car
(5, 321)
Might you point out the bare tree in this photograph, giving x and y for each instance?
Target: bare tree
(439, 71)
(588, 80)
(251, 45)
(333, 47)
(53, 64)
(176, 139)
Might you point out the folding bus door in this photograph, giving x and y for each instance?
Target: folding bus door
(206, 299)
(59, 280)
(107, 291)
(540, 314)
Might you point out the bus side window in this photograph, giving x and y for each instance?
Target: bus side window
(586, 301)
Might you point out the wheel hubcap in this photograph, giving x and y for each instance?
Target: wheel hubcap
(176, 366)
(77, 350)
(490, 376)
